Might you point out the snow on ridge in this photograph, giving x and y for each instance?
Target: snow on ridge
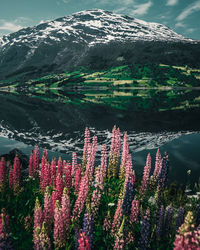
(111, 26)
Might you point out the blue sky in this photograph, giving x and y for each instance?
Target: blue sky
(183, 16)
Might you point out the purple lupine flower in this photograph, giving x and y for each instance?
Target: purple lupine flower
(88, 226)
(160, 222)
(127, 202)
(164, 171)
(180, 218)
(168, 220)
(145, 232)
(76, 239)
(2, 174)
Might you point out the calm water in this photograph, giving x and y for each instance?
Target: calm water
(56, 119)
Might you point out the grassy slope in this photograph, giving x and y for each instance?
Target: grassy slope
(122, 76)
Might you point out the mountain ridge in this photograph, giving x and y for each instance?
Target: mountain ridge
(72, 41)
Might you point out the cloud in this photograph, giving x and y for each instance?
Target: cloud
(190, 30)
(180, 25)
(189, 10)
(172, 2)
(66, 1)
(9, 26)
(141, 9)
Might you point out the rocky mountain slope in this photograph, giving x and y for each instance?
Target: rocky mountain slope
(93, 38)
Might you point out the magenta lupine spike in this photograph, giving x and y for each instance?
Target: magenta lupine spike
(77, 179)
(46, 177)
(104, 160)
(43, 163)
(36, 158)
(48, 209)
(82, 195)
(2, 174)
(59, 187)
(145, 180)
(60, 168)
(11, 178)
(31, 166)
(74, 166)
(16, 174)
(53, 172)
(65, 203)
(84, 242)
(117, 218)
(91, 158)
(54, 199)
(68, 175)
(4, 224)
(59, 229)
(134, 211)
(38, 219)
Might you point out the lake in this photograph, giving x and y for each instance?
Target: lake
(56, 118)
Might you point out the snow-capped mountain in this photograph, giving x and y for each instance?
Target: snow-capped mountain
(67, 41)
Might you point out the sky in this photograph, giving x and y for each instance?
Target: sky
(183, 16)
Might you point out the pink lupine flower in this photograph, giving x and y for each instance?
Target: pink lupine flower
(77, 179)
(36, 158)
(44, 240)
(134, 211)
(59, 228)
(129, 172)
(107, 222)
(117, 142)
(53, 172)
(48, 209)
(4, 224)
(84, 242)
(16, 174)
(113, 140)
(65, 203)
(157, 164)
(46, 177)
(59, 186)
(43, 163)
(82, 195)
(125, 154)
(117, 218)
(31, 166)
(187, 238)
(11, 178)
(60, 168)
(145, 180)
(74, 166)
(38, 219)
(2, 174)
(86, 143)
(104, 160)
(68, 175)
(96, 195)
(119, 241)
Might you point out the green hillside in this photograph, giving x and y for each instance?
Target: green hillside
(118, 77)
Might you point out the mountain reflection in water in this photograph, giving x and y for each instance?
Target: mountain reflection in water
(56, 119)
